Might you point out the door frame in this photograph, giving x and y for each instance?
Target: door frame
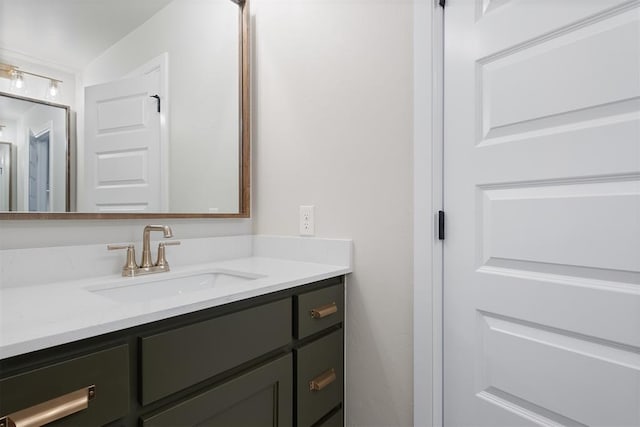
(428, 147)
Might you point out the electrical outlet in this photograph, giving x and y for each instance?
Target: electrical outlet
(307, 227)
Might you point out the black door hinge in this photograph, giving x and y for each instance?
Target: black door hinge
(442, 2)
(440, 225)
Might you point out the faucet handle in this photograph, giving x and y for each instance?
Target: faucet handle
(130, 265)
(162, 257)
(116, 247)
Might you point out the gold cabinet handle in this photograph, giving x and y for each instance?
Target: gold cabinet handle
(322, 380)
(324, 311)
(51, 410)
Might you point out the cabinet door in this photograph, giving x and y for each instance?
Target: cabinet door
(261, 397)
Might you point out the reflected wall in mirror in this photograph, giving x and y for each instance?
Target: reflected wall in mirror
(156, 97)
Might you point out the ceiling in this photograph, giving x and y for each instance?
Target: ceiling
(69, 33)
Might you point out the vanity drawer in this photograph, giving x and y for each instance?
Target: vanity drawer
(317, 310)
(260, 397)
(320, 378)
(50, 388)
(179, 358)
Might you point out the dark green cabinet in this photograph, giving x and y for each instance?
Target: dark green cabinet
(318, 310)
(176, 359)
(273, 360)
(101, 377)
(319, 378)
(260, 397)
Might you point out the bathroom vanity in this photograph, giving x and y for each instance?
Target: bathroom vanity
(267, 351)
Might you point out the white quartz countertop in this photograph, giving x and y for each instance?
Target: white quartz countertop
(39, 316)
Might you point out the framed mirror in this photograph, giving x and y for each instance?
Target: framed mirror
(113, 109)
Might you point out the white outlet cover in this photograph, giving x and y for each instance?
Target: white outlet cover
(307, 220)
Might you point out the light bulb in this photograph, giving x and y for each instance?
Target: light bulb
(19, 81)
(53, 88)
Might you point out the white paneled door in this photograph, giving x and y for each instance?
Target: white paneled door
(542, 194)
(123, 165)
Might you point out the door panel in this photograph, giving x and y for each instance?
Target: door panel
(123, 148)
(542, 192)
(555, 80)
(561, 224)
(516, 352)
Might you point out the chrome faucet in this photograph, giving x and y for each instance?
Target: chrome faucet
(131, 269)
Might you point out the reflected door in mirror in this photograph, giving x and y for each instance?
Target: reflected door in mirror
(125, 160)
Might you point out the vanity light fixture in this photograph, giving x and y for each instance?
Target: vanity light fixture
(16, 75)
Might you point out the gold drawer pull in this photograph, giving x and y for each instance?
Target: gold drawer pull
(51, 410)
(324, 311)
(323, 380)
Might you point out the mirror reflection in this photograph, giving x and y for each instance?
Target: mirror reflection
(7, 178)
(33, 156)
(142, 98)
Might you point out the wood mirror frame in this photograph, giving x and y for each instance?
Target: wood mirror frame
(244, 157)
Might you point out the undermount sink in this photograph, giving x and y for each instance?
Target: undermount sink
(148, 288)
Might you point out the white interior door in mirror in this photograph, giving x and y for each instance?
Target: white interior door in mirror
(124, 167)
(39, 172)
(542, 192)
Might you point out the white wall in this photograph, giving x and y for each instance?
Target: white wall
(201, 38)
(333, 127)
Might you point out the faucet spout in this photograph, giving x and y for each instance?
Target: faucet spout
(146, 242)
